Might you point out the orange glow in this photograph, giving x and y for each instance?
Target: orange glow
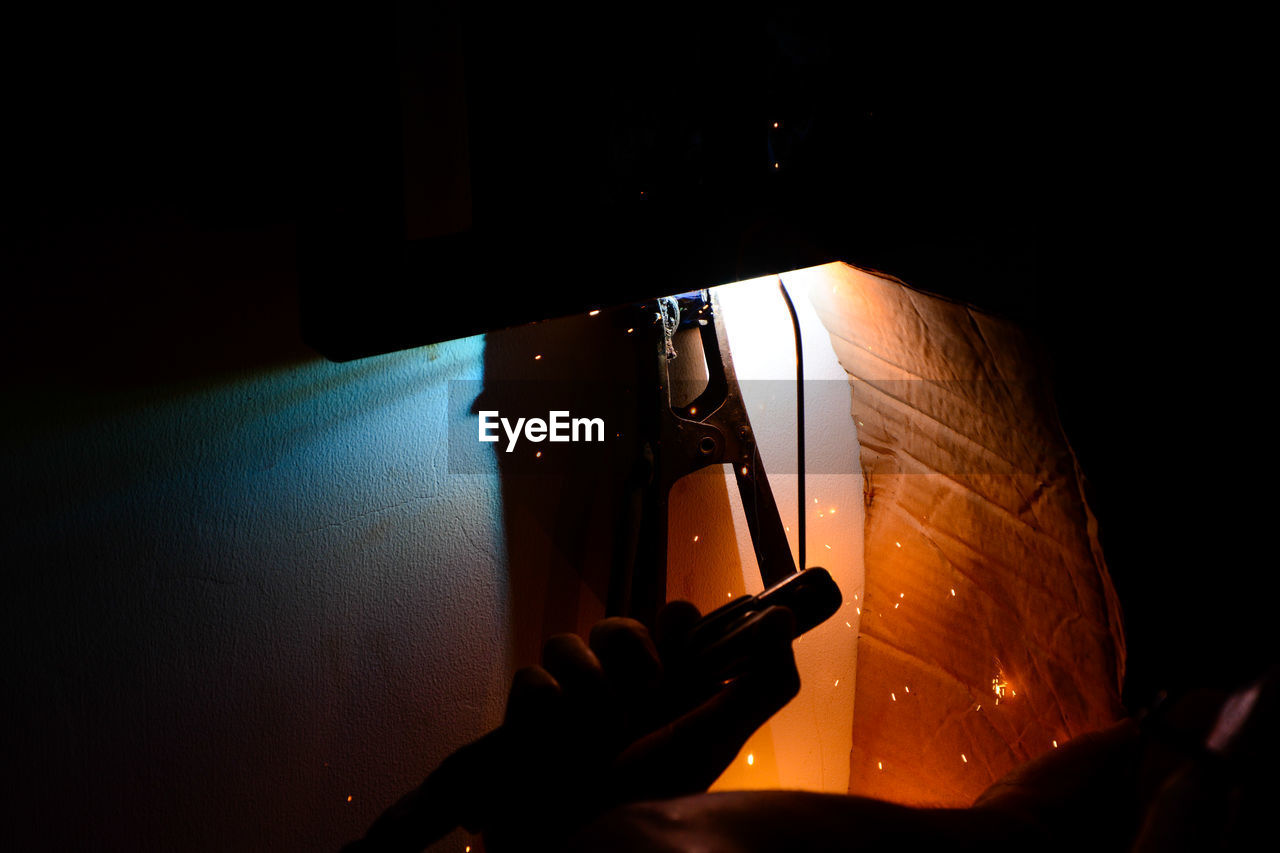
(693, 410)
(744, 470)
(538, 455)
(348, 798)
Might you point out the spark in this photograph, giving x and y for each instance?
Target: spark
(832, 510)
(538, 357)
(744, 470)
(837, 684)
(538, 455)
(828, 547)
(902, 595)
(895, 606)
(893, 697)
(899, 544)
(775, 125)
(629, 331)
(348, 798)
(593, 313)
(1055, 744)
(859, 609)
(751, 758)
(815, 500)
(953, 593)
(847, 625)
(962, 758)
(693, 410)
(880, 764)
(908, 689)
(695, 539)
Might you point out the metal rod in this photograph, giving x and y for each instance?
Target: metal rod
(795, 324)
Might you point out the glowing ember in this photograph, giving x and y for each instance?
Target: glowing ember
(695, 539)
(1001, 688)
(538, 357)
(962, 758)
(629, 331)
(751, 758)
(744, 470)
(589, 314)
(348, 798)
(1055, 744)
(880, 764)
(893, 697)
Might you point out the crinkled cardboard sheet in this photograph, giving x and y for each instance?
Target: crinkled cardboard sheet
(989, 629)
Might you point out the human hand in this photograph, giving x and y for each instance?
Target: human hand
(625, 717)
(620, 718)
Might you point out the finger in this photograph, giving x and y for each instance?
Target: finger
(675, 620)
(627, 655)
(574, 666)
(534, 698)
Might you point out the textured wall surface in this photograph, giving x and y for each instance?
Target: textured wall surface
(241, 606)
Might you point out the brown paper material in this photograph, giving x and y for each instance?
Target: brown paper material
(990, 629)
